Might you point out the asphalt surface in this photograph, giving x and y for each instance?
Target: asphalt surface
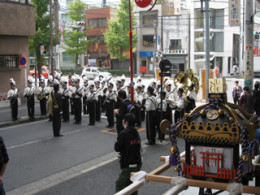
(35, 154)
(83, 161)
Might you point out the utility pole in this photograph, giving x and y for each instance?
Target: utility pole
(154, 43)
(249, 43)
(207, 48)
(57, 40)
(51, 40)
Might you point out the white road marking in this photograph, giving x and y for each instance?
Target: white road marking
(63, 176)
(41, 140)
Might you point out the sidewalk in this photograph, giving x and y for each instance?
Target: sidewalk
(6, 119)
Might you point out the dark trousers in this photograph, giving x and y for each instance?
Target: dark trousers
(119, 126)
(14, 108)
(110, 113)
(150, 126)
(77, 109)
(124, 177)
(138, 116)
(103, 106)
(236, 100)
(72, 106)
(98, 109)
(56, 122)
(65, 109)
(43, 106)
(2, 189)
(30, 106)
(85, 105)
(178, 115)
(168, 114)
(158, 122)
(92, 112)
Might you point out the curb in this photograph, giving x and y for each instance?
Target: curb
(22, 121)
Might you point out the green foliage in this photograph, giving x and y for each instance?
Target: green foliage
(75, 38)
(119, 72)
(77, 10)
(42, 30)
(117, 36)
(70, 71)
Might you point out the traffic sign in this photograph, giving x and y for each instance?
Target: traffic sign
(143, 3)
(22, 60)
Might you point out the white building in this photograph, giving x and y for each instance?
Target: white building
(224, 40)
(150, 28)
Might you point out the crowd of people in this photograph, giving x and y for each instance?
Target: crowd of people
(247, 100)
(64, 96)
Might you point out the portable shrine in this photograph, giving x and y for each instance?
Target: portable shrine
(220, 147)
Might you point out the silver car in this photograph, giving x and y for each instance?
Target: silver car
(93, 72)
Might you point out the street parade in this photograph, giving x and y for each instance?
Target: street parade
(129, 97)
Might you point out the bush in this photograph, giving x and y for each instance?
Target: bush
(70, 71)
(119, 72)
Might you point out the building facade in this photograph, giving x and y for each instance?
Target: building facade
(225, 49)
(97, 22)
(16, 26)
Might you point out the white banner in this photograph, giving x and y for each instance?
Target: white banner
(234, 12)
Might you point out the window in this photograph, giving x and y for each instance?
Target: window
(199, 19)
(148, 20)
(148, 40)
(67, 58)
(175, 44)
(94, 70)
(97, 23)
(9, 61)
(216, 41)
(216, 18)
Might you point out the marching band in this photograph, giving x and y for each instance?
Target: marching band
(97, 96)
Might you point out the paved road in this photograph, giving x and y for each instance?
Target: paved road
(35, 155)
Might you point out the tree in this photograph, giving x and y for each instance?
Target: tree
(117, 35)
(75, 37)
(42, 31)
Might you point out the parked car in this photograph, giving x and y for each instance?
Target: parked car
(45, 72)
(93, 72)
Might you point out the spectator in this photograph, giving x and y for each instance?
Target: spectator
(217, 71)
(3, 164)
(256, 95)
(247, 101)
(235, 69)
(129, 145)
(236, 93)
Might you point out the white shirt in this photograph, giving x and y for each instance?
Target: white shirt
(92, 96)
(151, 103)
(29, 91)
(12, 93)
(65, 92)
(138, 98)
(193, 95)
(111, 96)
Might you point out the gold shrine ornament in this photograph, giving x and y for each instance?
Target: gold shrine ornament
(212, 115)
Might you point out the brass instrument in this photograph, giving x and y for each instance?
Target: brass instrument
(185, 80)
